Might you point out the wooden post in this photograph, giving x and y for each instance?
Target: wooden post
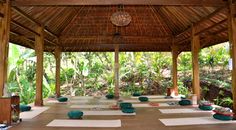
(195, 44)
(232, 40)
(5, 9)
(116, 72)
(58, 66)
(39, 46)
(175, 54)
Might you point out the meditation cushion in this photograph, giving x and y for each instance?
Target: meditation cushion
(185, 102)
(136, 94)
(62, 99)
(109, 96)
(205, 108)
(25, 108)
(143, 99)
(125, 105)
(75, 114)
(128, 110)
(222, 117)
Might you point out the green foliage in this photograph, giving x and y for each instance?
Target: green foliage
(86, 73)
(226, 101)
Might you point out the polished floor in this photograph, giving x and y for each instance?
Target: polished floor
(145, 119)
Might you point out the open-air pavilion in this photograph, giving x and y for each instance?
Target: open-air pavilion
(85, 26)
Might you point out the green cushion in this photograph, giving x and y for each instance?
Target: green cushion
(143, 99)
(205, 108)
(25, 108)
(109, 96)
(136, 94)
(125, 105)
(222, 117)
(128, 110)
(75, 114)
(62, 99)
(185, 102)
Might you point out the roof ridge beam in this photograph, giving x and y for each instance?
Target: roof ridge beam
(117, 2)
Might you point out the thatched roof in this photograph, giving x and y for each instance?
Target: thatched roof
(88, 27)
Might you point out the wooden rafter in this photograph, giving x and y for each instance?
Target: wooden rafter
(71, 20)
(202, 20)
(116, 2)
(24, 27)
(23, 37)
(30, 30)
(26, 16)
(110, 37)
(1, 15)
(210, 27)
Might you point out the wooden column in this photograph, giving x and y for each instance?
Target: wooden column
(5, 9)
(175, 54)
(116, 72)
(232, 40)
(195, 46)
(39, 46)
(58, 66)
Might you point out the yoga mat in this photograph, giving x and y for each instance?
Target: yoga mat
(184, 110)
(82, 97)
(148, 105)
(150, 96)
(89, 106)
(192, 121)
(154, 100)
(107, 113)
(88, 101)
(55, 101)
(35, 111)
(85, 123)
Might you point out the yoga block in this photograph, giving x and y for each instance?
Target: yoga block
(25, 108)
(185, 102)
(205, 108)
(76, 114)
(222, 117)
(136, 94)
(128, 110)
(143, 99)
(125, 105)
(62, 99)
(109, 96)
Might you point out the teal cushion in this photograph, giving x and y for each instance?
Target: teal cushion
(109, 96)
(205, 108)
(143, 99)
(25, 108)
(136, 94)
(125, 105)
(75, 114)
(185, 102)
(62, 99)
(128, 110)
(222, 117)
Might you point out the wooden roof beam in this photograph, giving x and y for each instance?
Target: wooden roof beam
(210, 35)
(202, 20)
(1, 15)
(117, 2)
(26, 16)
(210, 27)
(23, 37)
(30, 30)
(110, 37)
(24, 27)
